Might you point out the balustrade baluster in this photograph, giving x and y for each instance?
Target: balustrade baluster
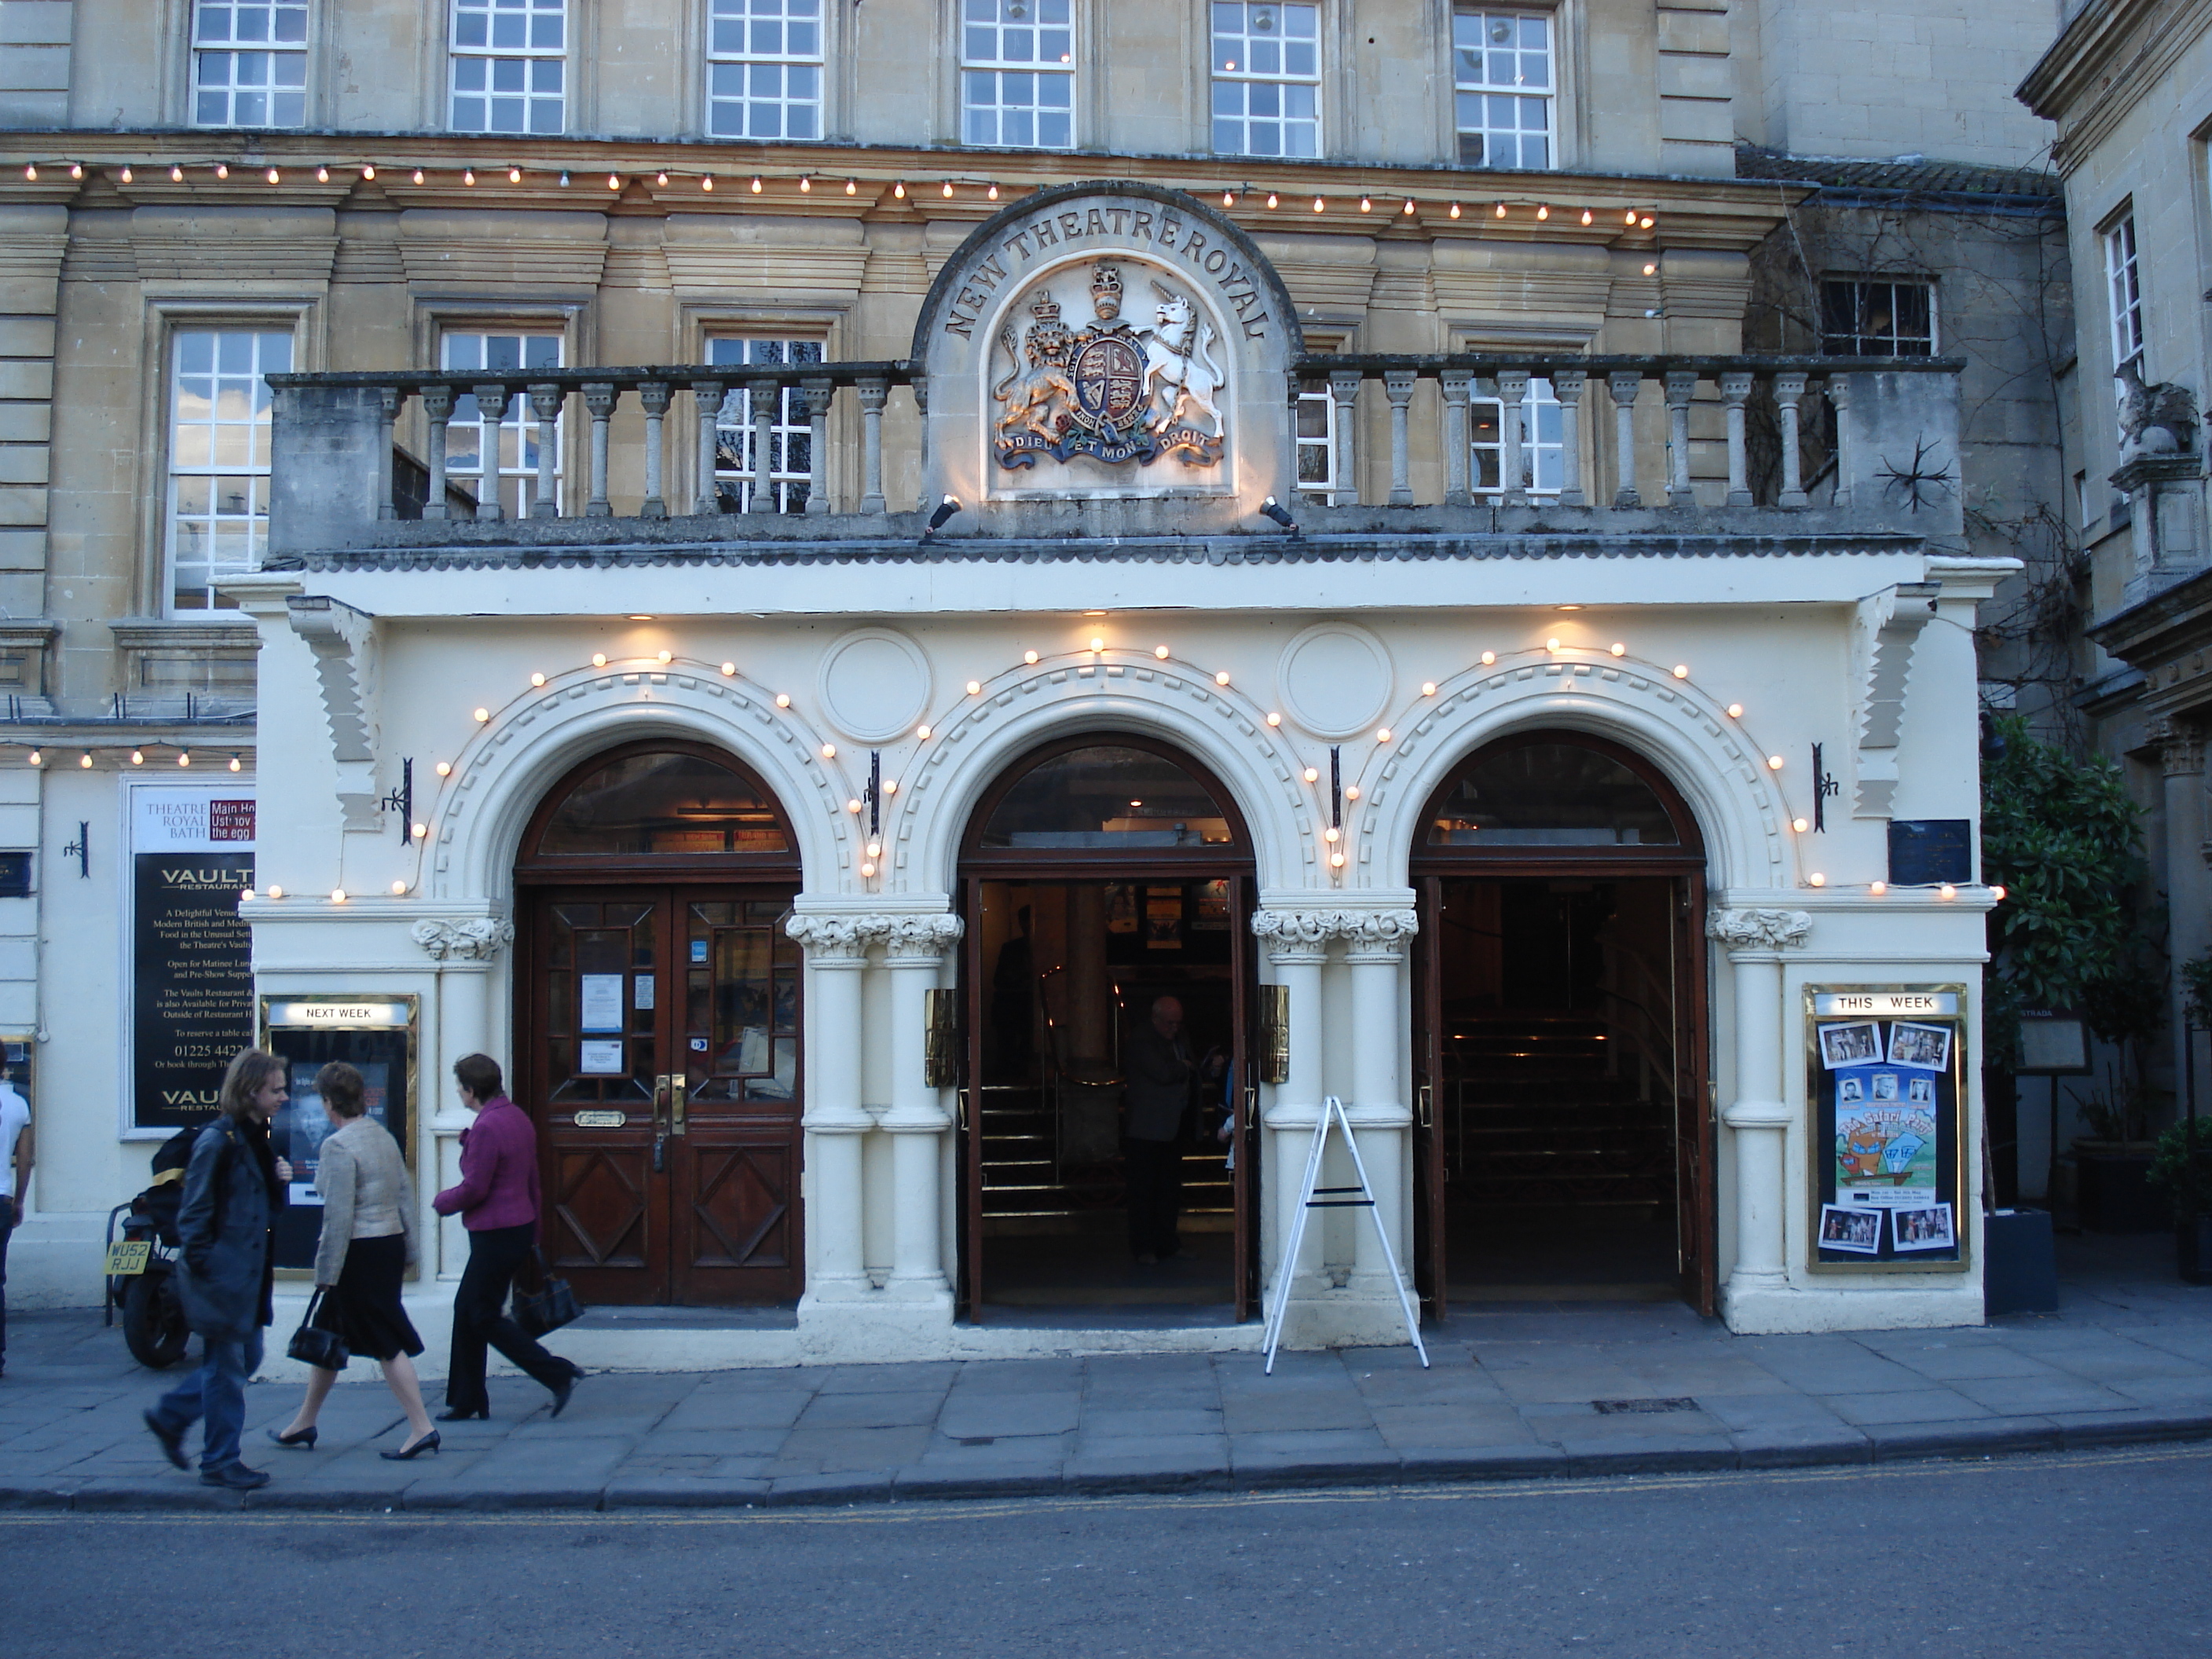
(1734, 388)
(492, 399)
(1344, 395)
(1681, 387)
(599, 400)
(707, 405)
(766, 394)
(1513, 469)
(653, 396)
(1398, 386)
(437, 406)
(818, 394)
(1624, 386)
(1567, 387)
(1787, 389)
(1838, 388)
(391, 400)
(1457, 445)
(545, 404)
(872, 392)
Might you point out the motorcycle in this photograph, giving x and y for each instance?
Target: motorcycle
(142, 1261)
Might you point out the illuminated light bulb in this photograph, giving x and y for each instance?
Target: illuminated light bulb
(1229, 199)
(1352, 791)
(828, 751)
(176, 175)
(1274, 719)
(851, 187)
(234, 763)
(1630, 217)
(1313, 774)
(138, 757)
(1330, 834)
(1997, 893)
(1681, 671)
(867, 869)
(706, 183)
(183, 757)
(783, 699)
(322, 175)
(1382, 734)
(276, 892)
(757, 183)
(1428, 687)
(1455, 210)
(1947, 891)
(398, 887)
(445, 768)
(85, 759)
(1336, 860)
(418, 175)
(948, 190)
(1409, 209)
(1618, 648)
(76, 169)
(338, 896)
(1650, 270)
(993, 193)
(875, 849)
(854, 805)
(564, 178)
(222, 169)
(1877, 888)
(728, 669)
(126, 175)
(468, 175)
(613, 182)
(273, 176)
(1774, 762)
(1816, 879)
(922, 732)
(1161, 652)
(1501, 209)
(1366, 204)
(661, 179)
(1274, 200)
(1097, 644)
(1586, 216)
(1221, 678)
(419, 831)
(1320, 205)
(1030, 657)
(514, 175)
(1645, 222)
(666, 656)
(538, 679)
(1543, 211)
(1550, 645)
(890, 786)
(482, 714)
(1799, 825)
(598, 659)
(37, 759)
(1735, 711)
(247, 894)
(1489, 659)
(975, 687)
(367, 171)
(806, 186)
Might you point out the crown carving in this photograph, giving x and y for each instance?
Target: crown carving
(1106, 292)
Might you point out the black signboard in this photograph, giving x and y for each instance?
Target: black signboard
(376, 1036)
(15, 875)
(194, 1002)
(1928, 851)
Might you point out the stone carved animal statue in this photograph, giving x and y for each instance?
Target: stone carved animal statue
(1034, 398)
(2158, 419)
(1179, 366)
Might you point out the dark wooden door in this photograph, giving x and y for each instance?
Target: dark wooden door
(1244, 1099)
(1431, 1102)
(1697, 1217)
(661, 1064)
(969, 1292)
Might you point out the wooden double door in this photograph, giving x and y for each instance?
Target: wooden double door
(661, 1063)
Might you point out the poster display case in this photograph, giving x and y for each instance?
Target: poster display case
(1885, 1073)
(377, 1035)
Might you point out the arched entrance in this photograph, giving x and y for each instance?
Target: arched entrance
(657, 1028)
(1101, 876)
(1564, 1135)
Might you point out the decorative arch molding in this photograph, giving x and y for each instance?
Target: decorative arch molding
(1078, 693)
(1739, 805)
(500, 776)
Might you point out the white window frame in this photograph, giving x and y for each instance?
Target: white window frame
(1038, 19)
(1543, 442)
(184, 464)
(1227, 59)
(733, 21)
(1314, 399)
(1487, 88)
(277, 53)
(2124, 291)
(1924, 284)
(517, 480)
(791, 433)
(533, 58)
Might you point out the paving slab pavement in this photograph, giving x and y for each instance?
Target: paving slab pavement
(1515, 1391)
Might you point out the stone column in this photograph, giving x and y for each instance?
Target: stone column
(872, 393)
(836, 955)
(1567, 385)
(1789, 390)
(1759, 1115)
(1456, 384)
(915, 948)
(1735, 391)
(1624, 386)
(1344, 394)
(654, 397)
(2181, 752)
(465, 952)
(600, 404)
(1297, 948)
(1681, 387)
(1398, 386)
(707, 405)
(1512, 458)
(1380, 1115)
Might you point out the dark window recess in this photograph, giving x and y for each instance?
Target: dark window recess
(1928, 852)
(1877, 319)
(1107, 796)
(1551, 794)
(15, 875)
(657, 803)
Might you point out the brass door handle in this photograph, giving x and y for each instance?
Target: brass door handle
(1427, 1106)
(1251, 1105)
(678, 1083)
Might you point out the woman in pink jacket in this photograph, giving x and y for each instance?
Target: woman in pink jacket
(497, 1202)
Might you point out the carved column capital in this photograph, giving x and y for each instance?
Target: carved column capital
(847, 938)
(1289, 929)
(920, 936)
(1760, 930)
(2180, 745)
(478, 940)
(832, 938)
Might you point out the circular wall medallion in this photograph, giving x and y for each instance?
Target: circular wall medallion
(875, 684)
(1335, 679)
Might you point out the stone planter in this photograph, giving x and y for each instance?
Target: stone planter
(2114, 1191)
(2020, 1273)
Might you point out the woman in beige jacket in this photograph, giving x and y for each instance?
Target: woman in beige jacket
(367, 1246)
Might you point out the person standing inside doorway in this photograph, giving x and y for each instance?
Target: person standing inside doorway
(497, 1201)
(226, 1271)
(1157, 1101)
(14, 1182)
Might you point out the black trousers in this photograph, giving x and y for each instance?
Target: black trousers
(1154, 1169)
(480, 1319)
(6, 1230)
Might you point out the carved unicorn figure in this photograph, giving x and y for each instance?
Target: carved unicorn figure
(1179, 366)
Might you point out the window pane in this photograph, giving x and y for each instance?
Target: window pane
(1550, 794)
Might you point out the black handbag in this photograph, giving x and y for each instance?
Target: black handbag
(316, 1345)
(552, 1306)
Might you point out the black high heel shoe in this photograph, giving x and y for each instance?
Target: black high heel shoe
(303, 1440)
(428, 1443)
(457, 1414)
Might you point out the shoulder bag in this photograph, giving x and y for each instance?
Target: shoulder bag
(314, 1345)
(553, 1305)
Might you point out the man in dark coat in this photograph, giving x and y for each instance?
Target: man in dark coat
(227, 1223)
(1157, 1096)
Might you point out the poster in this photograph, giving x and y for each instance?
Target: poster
(1885, 1077)
(191, 855)
(602, 997)
(375, 1035)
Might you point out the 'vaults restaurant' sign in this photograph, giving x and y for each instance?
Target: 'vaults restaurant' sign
(192, 972)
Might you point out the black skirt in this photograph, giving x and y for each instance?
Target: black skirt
(364, 1308)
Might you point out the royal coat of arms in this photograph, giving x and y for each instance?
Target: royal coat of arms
(1109, 391)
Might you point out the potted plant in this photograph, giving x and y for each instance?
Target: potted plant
(2182, 1167)
(2112, 1162)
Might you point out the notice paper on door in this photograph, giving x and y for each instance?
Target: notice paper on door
(602, 995)
(600, 1059)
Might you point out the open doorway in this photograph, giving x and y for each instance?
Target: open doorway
(1563, 1145)
(1106, 1114)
